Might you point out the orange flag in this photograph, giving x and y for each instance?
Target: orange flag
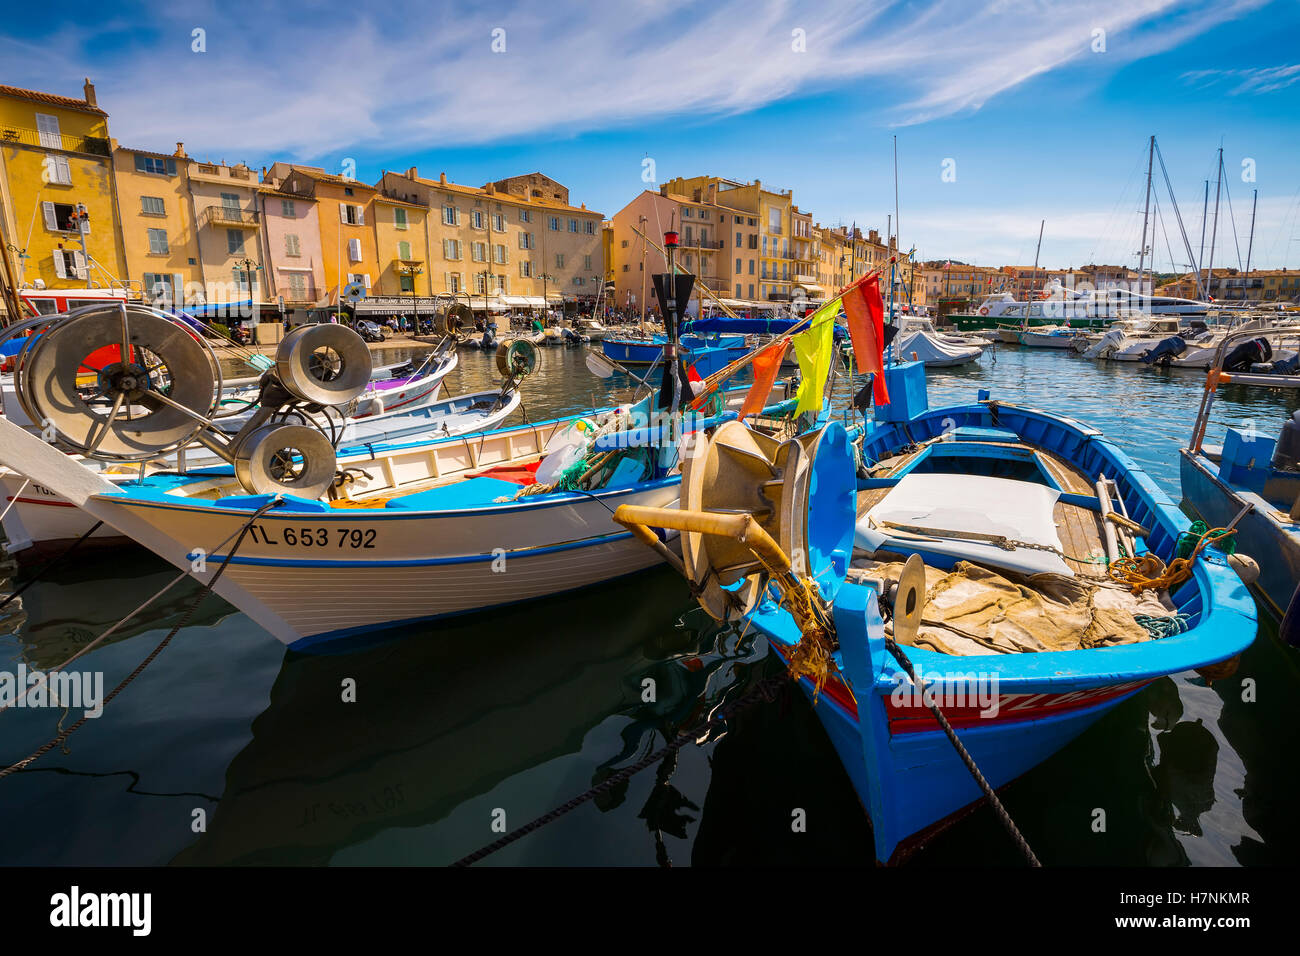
(865, 312)
(766, 364)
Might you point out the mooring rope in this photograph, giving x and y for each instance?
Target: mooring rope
(63, 735)
(965, 756)
(764, 690)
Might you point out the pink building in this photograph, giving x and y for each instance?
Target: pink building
(291, 241)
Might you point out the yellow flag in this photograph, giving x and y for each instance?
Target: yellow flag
(815, 350)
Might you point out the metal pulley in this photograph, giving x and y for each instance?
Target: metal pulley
(120, 382)
(285, 459)
(324, 364)
(801, 492)
(516, 358)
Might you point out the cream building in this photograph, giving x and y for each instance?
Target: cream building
(518, 240)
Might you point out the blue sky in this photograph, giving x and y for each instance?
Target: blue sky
(1041, 115)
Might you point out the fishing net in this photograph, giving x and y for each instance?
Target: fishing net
(972, 610)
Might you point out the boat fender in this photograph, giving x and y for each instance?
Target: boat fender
(1219, 671)
(1247, 568)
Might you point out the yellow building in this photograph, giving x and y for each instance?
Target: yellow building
(402, 245)
(515, 242)
(56, 190)
(158, 232)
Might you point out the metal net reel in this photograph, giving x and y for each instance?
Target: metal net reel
(802, 492)
(516, 358)
(325, 364)
(119, 382)
(130, 383)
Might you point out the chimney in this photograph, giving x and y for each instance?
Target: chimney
(412, 174)
(490, 189)
(180, 151)
(442, 178)
(89, 90)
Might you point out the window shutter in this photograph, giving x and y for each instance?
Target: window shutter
(343, 212)
(59, 269)
(354, 250)
(79, 264)
(51, 220)
(366, 279)
(361, 216)
(178, 289)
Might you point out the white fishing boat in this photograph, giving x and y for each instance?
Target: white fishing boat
(932, 351)
(1047, 337)
(314, 545)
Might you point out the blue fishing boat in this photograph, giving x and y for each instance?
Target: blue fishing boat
(1017, 615)
(1251, 481)
(714, 351)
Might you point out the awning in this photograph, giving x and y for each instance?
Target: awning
(524, 301)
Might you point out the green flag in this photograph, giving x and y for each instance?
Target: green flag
(815, 350)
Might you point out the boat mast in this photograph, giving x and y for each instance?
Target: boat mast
(1037, 250)
(1146, 214)
(1200, 255)
(1214, 229)
(1250, 245)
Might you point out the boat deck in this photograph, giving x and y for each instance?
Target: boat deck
(1079, 528)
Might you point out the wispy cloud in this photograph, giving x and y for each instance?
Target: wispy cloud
(314, 78)
(1264, 79)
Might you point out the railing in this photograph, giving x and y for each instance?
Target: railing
(693, 242)
(94, 145)
(221, 216)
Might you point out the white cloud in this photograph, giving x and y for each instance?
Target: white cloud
(322, 80)
(1265, 79)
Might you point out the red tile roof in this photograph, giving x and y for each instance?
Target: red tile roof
(52, 99)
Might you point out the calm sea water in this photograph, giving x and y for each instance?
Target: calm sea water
(513, 712)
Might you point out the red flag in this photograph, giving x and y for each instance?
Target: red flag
(865, 311)
(766, 364)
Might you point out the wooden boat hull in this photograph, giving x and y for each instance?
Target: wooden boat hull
(42, 523)
(1266, 533)
(906, 772)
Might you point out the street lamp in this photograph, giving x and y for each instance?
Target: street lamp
(412, 271)
(249, 266)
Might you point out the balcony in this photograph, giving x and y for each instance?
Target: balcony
(223, 217)
(92, 145)
(694, 242)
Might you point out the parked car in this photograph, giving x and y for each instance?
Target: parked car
(370, 331)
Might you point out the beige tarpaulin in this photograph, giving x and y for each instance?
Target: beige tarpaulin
(972, 610)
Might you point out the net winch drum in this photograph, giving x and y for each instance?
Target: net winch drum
(326, 364)
(119, 382)
(285, 459)
(802, 492)
(516, 358)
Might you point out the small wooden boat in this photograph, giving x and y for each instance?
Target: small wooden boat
(331, 545)
(971, 495)
(1253, 481)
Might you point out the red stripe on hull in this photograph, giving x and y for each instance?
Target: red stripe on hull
(910, 718)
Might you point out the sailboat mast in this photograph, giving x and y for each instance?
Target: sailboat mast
(1146, 212)
(1250, 246)
(1200, 255)
(1214, 229)
(1037, 250)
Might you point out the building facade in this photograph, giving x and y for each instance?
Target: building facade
(159, 238)
(57, 190)
(519, 238)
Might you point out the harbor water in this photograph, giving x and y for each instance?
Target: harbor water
(407, 748)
